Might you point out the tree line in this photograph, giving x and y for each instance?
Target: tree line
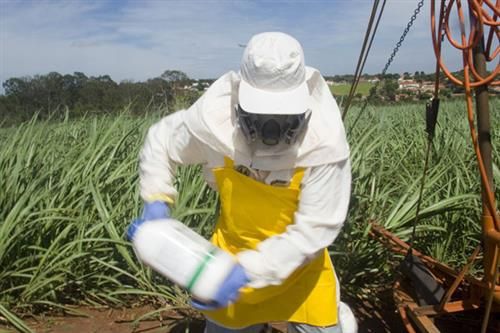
(55, 93)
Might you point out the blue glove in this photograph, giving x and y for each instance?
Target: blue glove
(152, 211)
(155, 210)
(229, 291)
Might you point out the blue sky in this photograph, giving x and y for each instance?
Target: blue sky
(136, 40)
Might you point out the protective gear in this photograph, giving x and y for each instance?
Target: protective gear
(211, 327)
(279, 252)
(273, 75)
(155, 210)
(152, 211)
(347, 319)
(321, 211)
(252, 212)
(271, 129)
(212, 121)
(228, 292)
(273, 94)
(207, 132)
(347, 324)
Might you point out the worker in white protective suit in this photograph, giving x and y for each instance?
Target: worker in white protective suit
(271, 142)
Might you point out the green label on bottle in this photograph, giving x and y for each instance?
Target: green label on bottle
(200, 269)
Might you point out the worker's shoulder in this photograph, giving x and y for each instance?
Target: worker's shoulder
(228, 82)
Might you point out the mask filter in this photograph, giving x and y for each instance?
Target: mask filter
(271, 132)
(271, 129)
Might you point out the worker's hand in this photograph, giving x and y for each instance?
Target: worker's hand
(154, 210)
(228, 292)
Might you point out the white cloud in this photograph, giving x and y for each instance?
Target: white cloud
(140, 39)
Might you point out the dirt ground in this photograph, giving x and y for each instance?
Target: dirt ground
(371, 317)
(108, 320)
(122, 321)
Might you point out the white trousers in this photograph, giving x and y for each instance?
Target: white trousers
(212, 327)
(347, 324)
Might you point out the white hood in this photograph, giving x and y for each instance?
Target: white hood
(212, 120)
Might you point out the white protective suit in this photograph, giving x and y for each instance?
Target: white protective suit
(207, 131)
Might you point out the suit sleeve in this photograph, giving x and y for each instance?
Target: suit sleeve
(168, 144)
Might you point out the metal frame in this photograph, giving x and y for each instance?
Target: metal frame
(469, 291)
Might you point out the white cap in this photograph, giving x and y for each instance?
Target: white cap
(273, 75)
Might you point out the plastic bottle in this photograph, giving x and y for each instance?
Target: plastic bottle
(181, 255)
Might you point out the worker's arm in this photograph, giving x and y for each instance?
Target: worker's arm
(323, 205)
(168, 144)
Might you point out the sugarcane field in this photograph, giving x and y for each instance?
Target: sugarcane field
(178, 166)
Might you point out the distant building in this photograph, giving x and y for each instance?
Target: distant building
(410, 85)
(494, 89)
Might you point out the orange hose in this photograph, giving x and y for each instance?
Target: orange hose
(467, 44)
(475, 35)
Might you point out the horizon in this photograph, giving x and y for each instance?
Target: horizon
(208, 78)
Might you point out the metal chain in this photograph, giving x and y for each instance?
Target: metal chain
(402, 38)
(391, 58)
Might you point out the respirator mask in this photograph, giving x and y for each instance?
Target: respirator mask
(271, 129)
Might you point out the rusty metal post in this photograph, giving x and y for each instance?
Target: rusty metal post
(483, 118)
(484, 138)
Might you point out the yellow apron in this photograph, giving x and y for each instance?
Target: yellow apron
(251, 212)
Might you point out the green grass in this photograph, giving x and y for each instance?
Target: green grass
(387, 153)
(343, 89)
(69, 191)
